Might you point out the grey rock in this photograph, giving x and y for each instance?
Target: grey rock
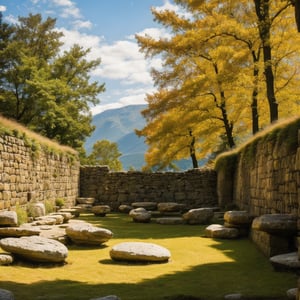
(292, 293)
(198, 216)
(140, 215)
(66, 216)
(237, 217)
(36, 210)
(124, 208)
(6, 295)
(36, 248)
(75, 211)
(280, 224)
(147, 205)
(6, 259)
(236, 296)
(287, 261)
(100, 210)
(87, 234)
(85, 200)
(140, 251)
(221, 232)
(18, 231)
(8, 218)
(165, 207)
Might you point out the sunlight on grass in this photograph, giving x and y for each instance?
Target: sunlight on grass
(198, 266)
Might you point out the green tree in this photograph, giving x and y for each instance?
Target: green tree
(47, 90)
(106, 153)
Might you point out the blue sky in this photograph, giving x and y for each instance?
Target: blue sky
(108, 28)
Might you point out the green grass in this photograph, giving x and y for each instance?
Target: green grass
(200, 267)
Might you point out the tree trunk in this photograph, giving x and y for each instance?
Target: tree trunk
(254, 104)
(193, 151)
(264, 25)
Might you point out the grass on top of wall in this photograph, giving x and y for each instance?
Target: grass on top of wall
(31, 138)
(282, 133)
(200, 267)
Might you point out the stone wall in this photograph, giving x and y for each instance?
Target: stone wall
(263, 176)
(195, 188)
(29, 172)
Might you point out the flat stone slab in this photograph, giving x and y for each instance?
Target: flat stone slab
(286, 262)
(36, 248)
(237, 217)
(100, 210)
(8, 218)
(165, 207)
(170, 221)
(146, 205)
(221, 232)
(85, 200)
(87, 234)
(281, 224)
(198, 216)
(140, 251)
(18, 231)
(6, 295)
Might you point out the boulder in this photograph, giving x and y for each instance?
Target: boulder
(292, 293)
(278, 224)
(18, 231)
(46, 220)
(6, 295)
(100, 210)
(165, 207)
(124, 208)
(5, 259)
(140, 215)
(169, 220)
(221, 232)
(8, 218)
(85, 200)
(198, 216)
(87, 234)
(146, 205)
(140, 251)
(36, 210)
(236, 217)
(286, 262)
(66, 216)
(75, 211)
(36, 248)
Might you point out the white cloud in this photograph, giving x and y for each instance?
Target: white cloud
(78, 24)
(11, 19)
(2, 8)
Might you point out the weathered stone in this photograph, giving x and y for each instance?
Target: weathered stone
(66, 216)
(36, 210)
(221, 232)
(165, 207)
(36, 248)
(87, 234)
(8, 218)
(286, 262)
(292, 293)
(125, 208)
(75, 212)
(280, 224)
(270, 244)
(198, 216)
(140, 215)
(146, 205)
(85, 200)
(18, 231)
(236, 217)
(5, 259)
(55, 233)
(46, 220)
(170, 220)
(6, 295)
(100, 210)
(139, 251)
(236, 296)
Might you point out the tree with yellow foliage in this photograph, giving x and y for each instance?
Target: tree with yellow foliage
(211, 83)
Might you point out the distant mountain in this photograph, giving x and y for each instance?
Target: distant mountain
(118, 125)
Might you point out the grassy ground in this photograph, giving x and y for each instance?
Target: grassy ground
(199, 267)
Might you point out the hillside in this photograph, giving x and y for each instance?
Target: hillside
(118, 125)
